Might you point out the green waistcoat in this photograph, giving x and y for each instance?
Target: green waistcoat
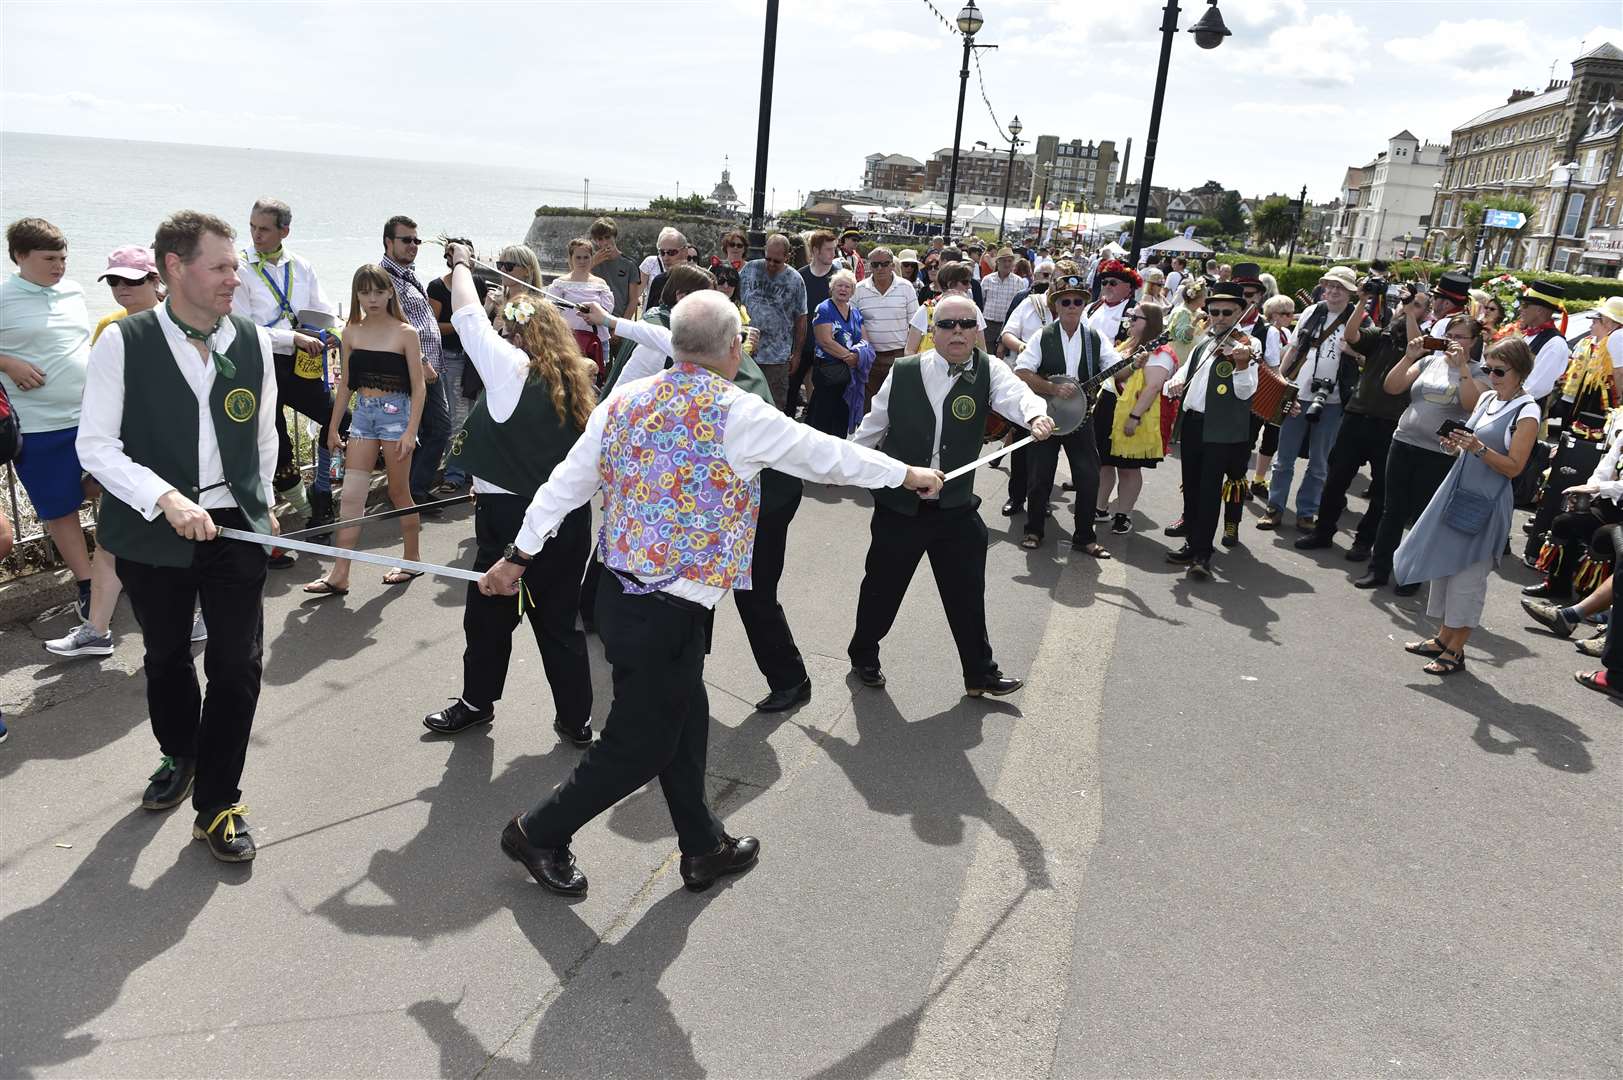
(1228, 416)
(911, 433)
(1052, 352)
(159, 429)
(520, 452)
(777, 489)
(659, 316)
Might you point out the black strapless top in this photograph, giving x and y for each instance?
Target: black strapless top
(376, 369)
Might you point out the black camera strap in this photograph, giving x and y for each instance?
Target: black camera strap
(1322, 336)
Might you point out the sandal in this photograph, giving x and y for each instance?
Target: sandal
(1598, 681)
(1096, 550)
(323, 587)
(1447, 663)
(1428, 648)
(1031, 541)
(401, 576)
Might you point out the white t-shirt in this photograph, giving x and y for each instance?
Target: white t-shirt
(924, 318)
(651, 267)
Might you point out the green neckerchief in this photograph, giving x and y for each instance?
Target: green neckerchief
(262, 257)
(222, 363)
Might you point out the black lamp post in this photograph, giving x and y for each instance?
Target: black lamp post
(1571, 171)
(1301, 211)
(1015, 128)
(1209, 34)
(1042, 203)
(757, 237)
(969, 24)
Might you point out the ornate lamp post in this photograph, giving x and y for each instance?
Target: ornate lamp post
(969, 24)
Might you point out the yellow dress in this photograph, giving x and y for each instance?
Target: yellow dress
(1144, 445)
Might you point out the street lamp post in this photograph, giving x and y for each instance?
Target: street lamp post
(1209, 34)
(757, 237)
(1042, 203)
(969, 24)
(1301, 213)
(1015, 128)
(1567, 172)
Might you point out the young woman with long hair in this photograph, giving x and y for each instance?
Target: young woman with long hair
(1128, 421)
(382, 365)
(581, 286)
(539, 393)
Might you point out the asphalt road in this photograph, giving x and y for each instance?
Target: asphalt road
(1228, 829)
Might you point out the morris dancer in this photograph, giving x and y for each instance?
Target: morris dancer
(538, 395)
(677, 457)
(932, 410)
(179, 428)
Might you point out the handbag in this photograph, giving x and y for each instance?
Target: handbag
(831, 374)
(11, 431)
(1468, 511)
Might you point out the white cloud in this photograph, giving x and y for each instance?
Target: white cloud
(1469, 45)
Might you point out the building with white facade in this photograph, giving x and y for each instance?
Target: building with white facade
(1387, 203)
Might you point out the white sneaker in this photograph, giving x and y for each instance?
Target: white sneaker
(200, 630)
(84, 641)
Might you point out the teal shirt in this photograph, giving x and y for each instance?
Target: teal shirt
(49, 327)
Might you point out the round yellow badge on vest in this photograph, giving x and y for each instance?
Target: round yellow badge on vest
(963, 407)
(239, 405)
(1224, 369)
(1222, 389)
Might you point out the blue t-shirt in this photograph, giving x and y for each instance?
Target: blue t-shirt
(847, 329)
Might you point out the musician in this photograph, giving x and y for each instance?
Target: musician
(179, 428)
(537, 396)
(677, 457)
(1213, 389)
(1108, 314)
(1541, 302)
(1079, 351)
(932, 410)
(1028, 315)
(1248, 275)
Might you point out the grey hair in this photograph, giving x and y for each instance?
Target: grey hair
(843, 275)
(283, 212)
(880, 250)
(669, 233)
(704, 326)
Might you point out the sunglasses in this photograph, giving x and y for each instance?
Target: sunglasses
(670, 252)
(1070, 301)
(116, 282)
(1496, 372)
(956, 324)
(733, 247)
(880, 264)
(414, 241)
(506, 267)
(1222, 312)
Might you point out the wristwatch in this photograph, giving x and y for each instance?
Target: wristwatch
(515, 556)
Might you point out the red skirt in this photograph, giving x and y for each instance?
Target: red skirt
(591, 347)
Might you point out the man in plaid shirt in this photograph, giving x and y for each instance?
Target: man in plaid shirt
(400, 246)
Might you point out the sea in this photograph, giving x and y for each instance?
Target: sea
(106, 193)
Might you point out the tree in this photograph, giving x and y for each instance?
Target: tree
(689, 204)
(1154, 233)
(1274, 221)
(1230, 214)
(1204, 226)
(1497, 240)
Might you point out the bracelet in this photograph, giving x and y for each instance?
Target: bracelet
(1135, 416)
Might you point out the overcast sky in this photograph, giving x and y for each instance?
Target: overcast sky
(643, 95)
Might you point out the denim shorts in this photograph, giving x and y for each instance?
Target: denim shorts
(380, 416)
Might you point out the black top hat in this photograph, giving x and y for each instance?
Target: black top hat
(1226, 290)
(1455, 285)
(1547, 293)
(1246, 274)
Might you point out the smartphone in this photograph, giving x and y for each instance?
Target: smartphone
(1435, 344)
(1450, 427)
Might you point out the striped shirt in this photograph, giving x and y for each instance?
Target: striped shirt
(885, 315)
(418, 311)
(999, 291)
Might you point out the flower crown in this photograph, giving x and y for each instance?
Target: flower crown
(518, 311)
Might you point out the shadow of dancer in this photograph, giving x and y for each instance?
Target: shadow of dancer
(1554, 740)
(67, 958)
(1245, 582)
(921, 770)
(608, 1016)
(467, 802)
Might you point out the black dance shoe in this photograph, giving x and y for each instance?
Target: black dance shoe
(1176, 529)
(1546, 590)
(870, 674)
(170, 784)
(1200, 570)
(1407, 590)
(779, 700)
(458, 716)
(581, 736)
(1013, 507)
(699, 872)
(1231, 534)
(1182, 557)
(226, 834)
(1372, 579)
(1313, 541)
(1359, 552)
(998, 685)
(552, 868)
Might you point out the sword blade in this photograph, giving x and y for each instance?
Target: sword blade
(345, 553)
(1001, 451)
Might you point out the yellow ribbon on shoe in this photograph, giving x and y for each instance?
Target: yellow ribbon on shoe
(229, 816)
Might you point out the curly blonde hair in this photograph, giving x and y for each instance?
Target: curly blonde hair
(555, 359)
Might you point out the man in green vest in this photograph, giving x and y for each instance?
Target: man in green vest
(184, 445)
(1214, 389)
(1071, 347)
(931, 411)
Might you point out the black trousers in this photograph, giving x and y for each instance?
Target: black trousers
(1576, 533)
(658, 725)
(955, 541)
(1082, 452)
(765, 624)
(1269, 433)
(228, 578)
(799, 376)
(1612, 657)
(553, 584)
(307, 397)
(1205, 468)
(1573, 462)
(1413, 476)
(1362, 440)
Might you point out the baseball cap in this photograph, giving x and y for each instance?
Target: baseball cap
(132, 263)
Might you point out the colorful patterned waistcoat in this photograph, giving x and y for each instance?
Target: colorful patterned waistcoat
(673, 506)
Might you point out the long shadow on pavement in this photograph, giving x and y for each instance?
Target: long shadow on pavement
(1554, 740)
(55, 981)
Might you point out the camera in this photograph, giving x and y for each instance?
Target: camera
(1320, 390)
(1374, 286)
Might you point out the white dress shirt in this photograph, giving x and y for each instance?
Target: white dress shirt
(1273, 341)
(101, 445)
(1194, 394)
(1006, 395)
(1031, 357)
(256, 301)
(1174, 283)
(503, 367)
(1028, 317)
(1107, 319)
(652, 350)
(757, 436)
(1548, 366)
(1608, 475)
